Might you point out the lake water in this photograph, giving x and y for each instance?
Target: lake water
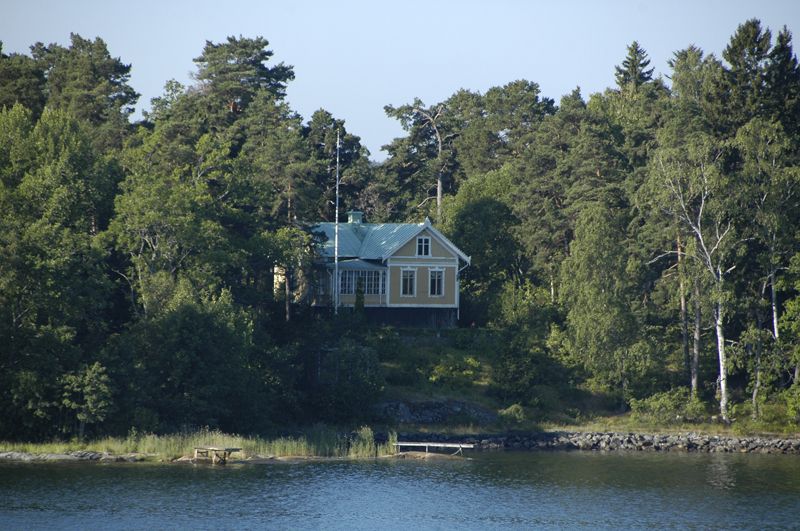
(511, 490)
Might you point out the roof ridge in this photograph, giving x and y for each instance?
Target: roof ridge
(365, 241)
(380, 240)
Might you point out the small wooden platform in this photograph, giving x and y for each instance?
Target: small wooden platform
(459, 446)
(218, 454)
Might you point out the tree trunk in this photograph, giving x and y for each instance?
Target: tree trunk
(757, 386)
(698, 321)
(439, 181)
(289, 207)
(774, 296)
(684, 321)
(431, 120)
(723, 370)
(288, 290)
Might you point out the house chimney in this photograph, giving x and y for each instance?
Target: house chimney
(355, 217)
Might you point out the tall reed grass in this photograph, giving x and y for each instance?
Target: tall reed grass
(318, 442)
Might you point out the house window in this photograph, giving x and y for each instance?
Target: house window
(374, 282)
(423, 246)
(437, 283)
(408, 283)
(346, 283)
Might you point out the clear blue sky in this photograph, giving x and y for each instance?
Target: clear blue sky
(353, 57)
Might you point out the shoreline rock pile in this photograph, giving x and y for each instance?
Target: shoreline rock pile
(73, 456)
(586, 441)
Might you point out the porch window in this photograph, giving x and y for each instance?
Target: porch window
(374, 282)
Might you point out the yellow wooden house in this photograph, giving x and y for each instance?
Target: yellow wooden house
(409, 271)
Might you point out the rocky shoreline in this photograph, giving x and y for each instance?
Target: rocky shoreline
(564, 441)
(587, 441)
(74, 456)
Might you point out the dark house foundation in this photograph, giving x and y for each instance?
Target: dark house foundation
(412, 317)
(404, 317)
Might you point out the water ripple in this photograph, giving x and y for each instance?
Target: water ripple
(547, 490)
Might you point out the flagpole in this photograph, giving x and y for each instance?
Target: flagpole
(336, 282)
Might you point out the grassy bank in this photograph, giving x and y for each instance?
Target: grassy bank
(467, 365)
(622, 423)
(319, 442)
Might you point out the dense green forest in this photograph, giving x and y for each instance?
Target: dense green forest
(640, 246)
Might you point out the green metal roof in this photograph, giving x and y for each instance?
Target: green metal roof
(356, 264)
(375, 241)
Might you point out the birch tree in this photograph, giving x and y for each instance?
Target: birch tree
(771, 202)
(689, 185)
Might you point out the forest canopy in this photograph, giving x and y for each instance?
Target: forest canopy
(633, 244)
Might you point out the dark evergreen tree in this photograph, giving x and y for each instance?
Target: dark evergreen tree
(573, 161)
(322, 131)
(429, 147)
(21, 81)
(232, 72)
(783, 80)
(85, 81)
(747, 56)
(282, 161)
(633, 71)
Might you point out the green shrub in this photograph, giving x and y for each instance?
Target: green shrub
(463, 339)
(514, 414)
(792, 398)
(388, 347)
(456, 372)
(364, 443)
(670, 406)
(389, 448)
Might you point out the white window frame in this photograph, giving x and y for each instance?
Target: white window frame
(413, 271)
(374, 281)
(431, 271)
(425, 243)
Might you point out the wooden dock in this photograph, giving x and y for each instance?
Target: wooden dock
(218, 454)
(427, 445)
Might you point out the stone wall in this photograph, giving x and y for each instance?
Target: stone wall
(610, 442)
(73, 455)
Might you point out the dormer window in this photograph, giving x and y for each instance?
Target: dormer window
(423, 246)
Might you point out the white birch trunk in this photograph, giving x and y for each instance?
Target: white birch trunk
(723, 371)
